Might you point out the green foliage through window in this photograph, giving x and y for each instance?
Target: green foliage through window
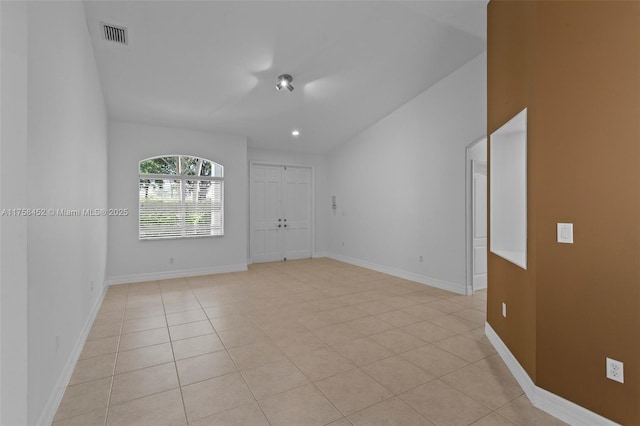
(180, 197)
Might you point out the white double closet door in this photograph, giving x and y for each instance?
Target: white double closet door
(280, 212)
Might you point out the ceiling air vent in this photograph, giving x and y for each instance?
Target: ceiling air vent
(115, 34)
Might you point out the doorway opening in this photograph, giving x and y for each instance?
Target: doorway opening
(476, 215)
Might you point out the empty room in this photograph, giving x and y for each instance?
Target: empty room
(310, 213)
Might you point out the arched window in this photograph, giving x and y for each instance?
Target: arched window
(180, 197)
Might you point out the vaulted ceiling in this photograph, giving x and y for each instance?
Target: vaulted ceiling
(213, 65)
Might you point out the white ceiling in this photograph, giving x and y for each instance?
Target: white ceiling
(212, 65)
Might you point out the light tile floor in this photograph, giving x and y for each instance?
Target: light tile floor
(310, 342)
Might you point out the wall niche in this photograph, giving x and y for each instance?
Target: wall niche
(508, 189)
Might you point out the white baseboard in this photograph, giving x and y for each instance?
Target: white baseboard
(519, 373)
(50, 408)
(180, 273)
(459, 288)
(548, 402)
(318, 254)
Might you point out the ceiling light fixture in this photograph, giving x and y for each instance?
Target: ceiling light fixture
(295, 133)
(285, 81)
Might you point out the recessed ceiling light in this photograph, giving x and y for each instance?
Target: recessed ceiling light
(295, 133)
(284, 81)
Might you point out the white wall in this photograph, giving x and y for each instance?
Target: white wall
(13, 230)
(478, 152)
(321, 197)
(66, 169)
(509, 196)
(133, 260)
(400, 184)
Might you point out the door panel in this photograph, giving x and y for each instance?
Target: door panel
(297, 211)
(479, 225)
(266, 244)
(480, 260)
(280, 196)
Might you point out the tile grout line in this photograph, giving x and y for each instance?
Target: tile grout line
(234, 363)
(272, 341)
(115, 363)
(173, 354)
(249, 301)
(314, 383)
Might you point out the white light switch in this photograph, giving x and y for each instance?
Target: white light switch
(565, 233)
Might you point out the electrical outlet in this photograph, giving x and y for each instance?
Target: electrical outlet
(420, 259)
(504, 309)
(171, 261)
(615, 370)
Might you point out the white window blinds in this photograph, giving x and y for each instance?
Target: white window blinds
(180, 197)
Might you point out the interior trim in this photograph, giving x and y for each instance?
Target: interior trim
(459, 288)
(51, 407)
(179, 273)
(548, 402)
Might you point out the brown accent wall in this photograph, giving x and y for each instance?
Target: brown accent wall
(510, 56)
(575, 304)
